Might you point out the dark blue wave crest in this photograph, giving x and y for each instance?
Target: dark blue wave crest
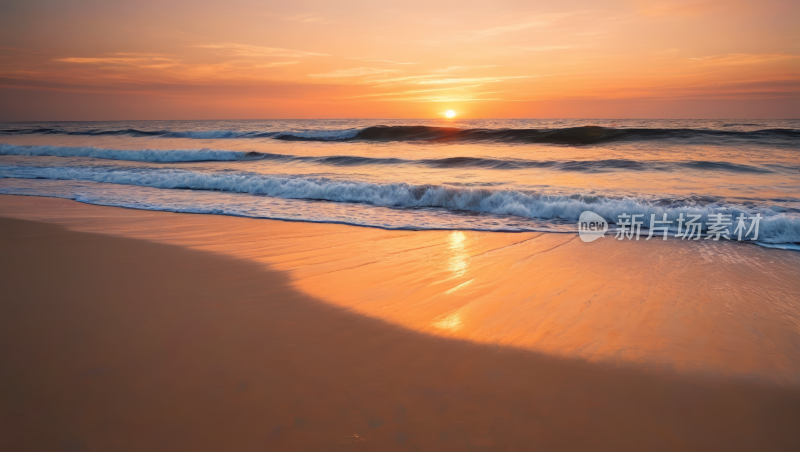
(585, 135)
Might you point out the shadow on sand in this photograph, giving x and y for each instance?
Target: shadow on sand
(115, 344)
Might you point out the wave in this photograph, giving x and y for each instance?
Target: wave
(204, 155)
(776, 227)
(141, 155)
(321, 135)
(583, 135)
(100, 132)
(312, 135)
(562, 165)
(570, 135)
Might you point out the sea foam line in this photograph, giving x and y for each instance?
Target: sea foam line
(140, 155)
(199, 155)
(776, 227)
(579, 135)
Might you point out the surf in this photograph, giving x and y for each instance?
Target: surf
(575, 136)
(212, 155)
(778, 226)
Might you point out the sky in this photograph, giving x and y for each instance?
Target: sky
(246, 59)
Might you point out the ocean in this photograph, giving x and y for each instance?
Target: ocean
(486, 175)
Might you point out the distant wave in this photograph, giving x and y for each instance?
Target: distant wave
(571, 135)
(776, 227)
(313, 135)
(516, 164)
(567, 136)
(142, 155)
(204, 155)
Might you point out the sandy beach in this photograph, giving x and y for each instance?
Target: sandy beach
(133, 330)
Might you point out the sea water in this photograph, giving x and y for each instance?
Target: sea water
(488, 175)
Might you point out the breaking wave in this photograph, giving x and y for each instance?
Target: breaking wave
(583, 135)
(141, 155)
(205, 155)
(777, 227)
(570, 135)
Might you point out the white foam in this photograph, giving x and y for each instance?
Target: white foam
(208, 134)
(327, 135)
(142, 155)
(775, 227)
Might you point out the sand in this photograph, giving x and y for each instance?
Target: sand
(133, 330)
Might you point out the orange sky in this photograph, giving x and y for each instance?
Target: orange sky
(146, 59)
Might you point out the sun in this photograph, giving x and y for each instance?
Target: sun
(450, 114)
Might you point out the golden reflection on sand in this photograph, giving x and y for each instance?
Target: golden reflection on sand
(452, 322)
(724, 308)
(460, 286)
(459, 260)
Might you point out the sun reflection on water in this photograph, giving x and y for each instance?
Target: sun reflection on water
(459, 261)
(452, 322)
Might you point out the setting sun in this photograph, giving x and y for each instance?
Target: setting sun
(450, 113)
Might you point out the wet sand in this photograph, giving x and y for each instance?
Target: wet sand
(132, 330)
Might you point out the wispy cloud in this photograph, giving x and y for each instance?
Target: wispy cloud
(413, 91)
(542, 48)
(378, 61)
(125, 59)
(509, 28)
(161, 68)
(274, 64)
(688, 8)
(744, 58)
(355, 72)
(424, 79)
(450, 98)
(402, 79)
(537, 21)
(461, 68)
(257, 51)
(473, 80)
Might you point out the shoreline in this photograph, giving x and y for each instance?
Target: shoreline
(777, 246)
(699, 309)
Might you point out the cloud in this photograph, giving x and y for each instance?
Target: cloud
(686, 8)
(413, 91)
(509, 28)
(402, 79)
(275, 64)
(472, 80)
(378, 61)
(459, 68)
(744, 58)
(296, 18)
(355, 72)
(421, 79)
(125, 59)
(159, 68)
(540, 21)
(257, 51)
(451, 98)
(543, 48)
